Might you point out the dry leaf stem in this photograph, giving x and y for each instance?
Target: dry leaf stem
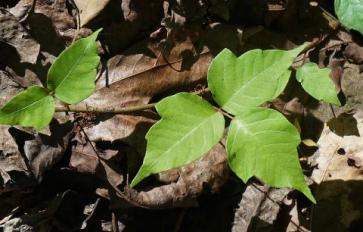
(113, 110)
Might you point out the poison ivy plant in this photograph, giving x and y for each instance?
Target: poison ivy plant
(350, 13)
(70, 78)
(189, 127)
(261, 142)
(317, 83)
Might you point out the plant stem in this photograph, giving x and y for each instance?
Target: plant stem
(113, 110)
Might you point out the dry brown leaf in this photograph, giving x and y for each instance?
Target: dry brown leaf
(135, 79)
(84, 159)
(14, 34)
(354, 53)
(259, 208)
(118, 127)
(339, 162)
(333, 165)
(14, 173)
(89, 9)
(55, 20)
(208, 173)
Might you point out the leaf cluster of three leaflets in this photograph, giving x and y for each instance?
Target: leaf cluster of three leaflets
(71, 79)
(261, 142)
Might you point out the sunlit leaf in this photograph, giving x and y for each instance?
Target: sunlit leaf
(72, 76)
(350, 13)
(317, 83)
(261, 142)
(253, 78)
(30, 108)
(189, 128)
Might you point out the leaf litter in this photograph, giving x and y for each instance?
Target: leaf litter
(83, 163)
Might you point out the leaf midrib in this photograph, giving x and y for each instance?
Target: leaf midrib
(248, 82)
(28, 106)
(74, 66)
(184, 137)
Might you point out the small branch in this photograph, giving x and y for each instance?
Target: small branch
(113, 110)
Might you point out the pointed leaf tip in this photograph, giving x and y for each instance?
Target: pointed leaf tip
(72, 76)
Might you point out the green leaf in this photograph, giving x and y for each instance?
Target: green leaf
(261, 142)
(350, 13)
(72, 76)
(317, 83)
(31, 108)
(253, 78)
(189, 128)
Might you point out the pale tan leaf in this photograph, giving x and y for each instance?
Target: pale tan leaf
(89, 9)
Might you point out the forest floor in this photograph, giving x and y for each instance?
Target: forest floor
(75, 174)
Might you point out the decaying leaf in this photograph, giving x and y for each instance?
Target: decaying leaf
(14, 173)
(147, 76)
(339, 162)
(120, 127)
(354, 53)
(259, 208)
(54, 17)
(208, 173)
(14, 34)
(84, 159)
